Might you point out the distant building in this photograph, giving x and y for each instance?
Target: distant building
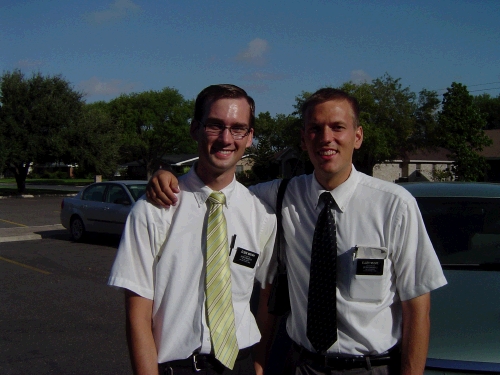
(421, 165)
(427, 165)
(492, 155)
(179, 164)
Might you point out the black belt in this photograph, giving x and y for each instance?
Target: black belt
(392, 357)
(200, 362)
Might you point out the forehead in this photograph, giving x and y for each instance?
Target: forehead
(236, 110)
(330, 111)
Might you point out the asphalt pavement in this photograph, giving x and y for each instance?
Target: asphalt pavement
(57, 315)
(29, 218)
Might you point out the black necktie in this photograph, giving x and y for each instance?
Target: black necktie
(322, 301)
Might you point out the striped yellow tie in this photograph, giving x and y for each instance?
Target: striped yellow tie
(218, 283)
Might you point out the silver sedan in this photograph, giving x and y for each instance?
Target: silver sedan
(102, 207)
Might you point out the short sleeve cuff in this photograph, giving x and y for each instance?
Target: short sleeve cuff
(133, 287)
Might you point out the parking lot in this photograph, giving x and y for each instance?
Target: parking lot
(57, 314)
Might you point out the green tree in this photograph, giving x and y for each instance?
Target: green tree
(272, 136)
(94, 142)
(395, 121)
(427, 126)
(155, 123)
(35, 113)
(490, 108)
(3, 147)
(461, 132)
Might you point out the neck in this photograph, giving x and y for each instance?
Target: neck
(329, 181)
(215, 181)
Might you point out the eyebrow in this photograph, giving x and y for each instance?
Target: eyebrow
(329, 124)
(221, 122)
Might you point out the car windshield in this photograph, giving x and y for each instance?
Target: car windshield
(137, 190)
(464, 231)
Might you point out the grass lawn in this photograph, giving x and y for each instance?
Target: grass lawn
(11, 188)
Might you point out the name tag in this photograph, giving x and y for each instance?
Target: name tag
(245, 257)
(373, 267)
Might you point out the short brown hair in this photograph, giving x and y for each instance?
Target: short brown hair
(326, 94)
(213, 93)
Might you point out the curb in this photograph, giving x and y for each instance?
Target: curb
(26, 237)
(27, 233)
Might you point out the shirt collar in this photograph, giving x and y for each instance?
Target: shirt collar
(341, 194)
(202, 192)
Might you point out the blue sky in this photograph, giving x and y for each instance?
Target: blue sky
(273, 49)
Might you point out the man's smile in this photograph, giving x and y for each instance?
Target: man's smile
(327, 152)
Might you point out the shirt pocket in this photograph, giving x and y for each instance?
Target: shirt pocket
(243, 266)
(368, 274)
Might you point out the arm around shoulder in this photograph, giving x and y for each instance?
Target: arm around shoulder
(161, 189)
(266, 191)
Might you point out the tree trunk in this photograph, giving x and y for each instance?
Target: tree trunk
(20, 172)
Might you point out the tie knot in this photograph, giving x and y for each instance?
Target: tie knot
(217, 197)
(327, 198)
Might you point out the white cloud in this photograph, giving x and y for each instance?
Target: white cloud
(27, 63)
(259, 88)
(94, 86)
(262, 76)
(254, 53)
(360, 76)
(116, 11)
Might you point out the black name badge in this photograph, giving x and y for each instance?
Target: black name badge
(245, 257)
(373, 267)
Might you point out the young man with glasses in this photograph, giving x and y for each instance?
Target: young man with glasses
(376, 265)
(188, 271)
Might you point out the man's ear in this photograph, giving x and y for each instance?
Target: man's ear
(302, 140)
(194, 130)
(358, 137)
(249, 138)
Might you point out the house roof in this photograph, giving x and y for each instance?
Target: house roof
(181, 159)
(178, 158)
(493, 151)
(440, 154)
(437, 154)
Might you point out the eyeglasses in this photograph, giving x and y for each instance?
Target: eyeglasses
(214, 129)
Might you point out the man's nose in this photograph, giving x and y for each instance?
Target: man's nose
(326, 134)
(226, 135)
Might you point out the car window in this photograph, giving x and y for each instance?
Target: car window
(464, 231)
(116, 194)
(137, 190)
(94, 193)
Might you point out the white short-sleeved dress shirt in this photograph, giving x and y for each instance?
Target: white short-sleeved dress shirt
(162, 257)
(375, 219)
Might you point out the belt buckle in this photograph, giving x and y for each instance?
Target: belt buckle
(195, 362)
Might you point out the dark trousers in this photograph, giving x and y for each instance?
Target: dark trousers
(378, 370)
(304, 366)
(244, 366)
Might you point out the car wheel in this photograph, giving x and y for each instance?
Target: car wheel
(77, 229)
